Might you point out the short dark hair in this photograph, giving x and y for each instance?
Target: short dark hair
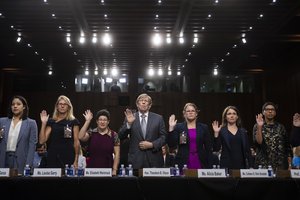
(103, 112)
(24, 101)
(269, 103)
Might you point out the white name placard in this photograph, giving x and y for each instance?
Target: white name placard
(254, 173)
(211, 173)
(98, 172)
(295, 173)
(46, 172)
(156, 172)
(4, 172)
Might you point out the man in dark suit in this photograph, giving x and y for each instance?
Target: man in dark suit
(144, 146)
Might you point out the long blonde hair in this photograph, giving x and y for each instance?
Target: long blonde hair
(70, 115)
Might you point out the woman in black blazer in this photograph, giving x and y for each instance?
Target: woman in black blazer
(232, 140)
(191, 138)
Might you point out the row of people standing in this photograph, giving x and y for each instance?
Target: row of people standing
(192, 139)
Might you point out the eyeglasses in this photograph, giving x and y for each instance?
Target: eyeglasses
(102, 120)
(269, 109)
(190, 111)
(62, 104)
(146, 100)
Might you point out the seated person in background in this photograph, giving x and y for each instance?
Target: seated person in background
(168, 156)
(295, 141)
(124, 147)
(39, 159)
(81, 158)
(115, 87)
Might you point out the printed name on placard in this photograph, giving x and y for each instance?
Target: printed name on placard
(46, 172)
(211, 173)
(156, 172)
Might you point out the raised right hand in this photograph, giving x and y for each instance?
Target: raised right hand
(172, 122)
(88, 115)
(259, 119)
(129, 116)
(44, 116)
(216, 127)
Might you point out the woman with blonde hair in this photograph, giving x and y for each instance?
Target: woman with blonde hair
(61, 134)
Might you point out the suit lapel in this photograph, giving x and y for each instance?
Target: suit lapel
(6, 129)
(22, 129)
(226, 138)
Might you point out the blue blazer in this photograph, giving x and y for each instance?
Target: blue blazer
(203, 140)
(155, 133)
(26, 143)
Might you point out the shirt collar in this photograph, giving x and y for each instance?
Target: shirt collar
(146, 114)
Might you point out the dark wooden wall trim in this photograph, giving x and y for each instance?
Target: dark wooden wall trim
(281, 89)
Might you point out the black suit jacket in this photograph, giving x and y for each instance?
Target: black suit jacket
(223, 142)
(203, 140)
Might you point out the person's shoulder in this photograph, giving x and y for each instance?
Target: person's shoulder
(113, 133)
(180, 125)
(243, 130)
(154, 114)
(280, 125)
(75, 121)
(50, 121)
(202, 124)
(3, 118)
(223, 128)
(115, 88)
(30, 120)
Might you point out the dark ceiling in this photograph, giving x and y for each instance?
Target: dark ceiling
(272, 38)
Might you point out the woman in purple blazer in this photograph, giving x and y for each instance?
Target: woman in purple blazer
(18, 136)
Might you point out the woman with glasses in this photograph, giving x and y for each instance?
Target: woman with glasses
(103, 143)
(191, 138)
(61, 134)
(271, 140)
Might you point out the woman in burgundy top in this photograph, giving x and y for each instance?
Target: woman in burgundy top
(103, 143)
